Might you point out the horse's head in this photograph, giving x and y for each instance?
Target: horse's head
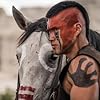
(37, 63)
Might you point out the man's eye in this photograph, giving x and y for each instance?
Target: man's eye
(55, 31)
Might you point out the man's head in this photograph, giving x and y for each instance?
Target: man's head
(65, 22)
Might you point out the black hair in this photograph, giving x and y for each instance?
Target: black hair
(68, 4)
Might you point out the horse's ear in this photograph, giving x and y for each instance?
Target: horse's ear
(20, 19)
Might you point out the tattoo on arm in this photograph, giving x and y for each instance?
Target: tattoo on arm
(80, 77)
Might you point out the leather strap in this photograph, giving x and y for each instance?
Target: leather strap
(18, 85)
(56, 78)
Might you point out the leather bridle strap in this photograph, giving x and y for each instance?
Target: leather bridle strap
(56, 77)
(18, 85)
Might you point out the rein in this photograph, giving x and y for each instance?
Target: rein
(18, 85)
(56, 77)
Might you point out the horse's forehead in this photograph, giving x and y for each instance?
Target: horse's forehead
(33, 40)
(31, 46)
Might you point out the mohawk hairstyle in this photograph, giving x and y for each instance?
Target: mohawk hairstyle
(68, 4)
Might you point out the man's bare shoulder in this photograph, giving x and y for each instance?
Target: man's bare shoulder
(83, 71)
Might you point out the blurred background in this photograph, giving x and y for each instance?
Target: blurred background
(9, 32)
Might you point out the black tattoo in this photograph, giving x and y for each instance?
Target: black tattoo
(80, 77)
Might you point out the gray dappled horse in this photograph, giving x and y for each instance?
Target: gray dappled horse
(37, 64)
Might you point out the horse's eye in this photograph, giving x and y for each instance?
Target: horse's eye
(18, 56)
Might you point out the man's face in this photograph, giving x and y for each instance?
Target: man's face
(60, 34)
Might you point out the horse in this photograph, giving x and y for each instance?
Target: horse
(38, 66)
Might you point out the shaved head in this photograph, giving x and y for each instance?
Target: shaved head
(70, 16)
(64, 5)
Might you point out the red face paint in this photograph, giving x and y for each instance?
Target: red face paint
(27, 88)
(64, 21)
(26, 92)
(25, 97)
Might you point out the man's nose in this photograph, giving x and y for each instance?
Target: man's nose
(51, 36)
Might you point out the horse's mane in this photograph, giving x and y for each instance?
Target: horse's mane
(38, 26)
(94, 39)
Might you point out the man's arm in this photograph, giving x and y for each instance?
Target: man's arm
(83, 73)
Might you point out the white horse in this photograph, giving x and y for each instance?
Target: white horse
(38, 66)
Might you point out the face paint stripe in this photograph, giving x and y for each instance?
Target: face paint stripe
(27, 88)
(25, 97)
(57, 34)
(59, 43)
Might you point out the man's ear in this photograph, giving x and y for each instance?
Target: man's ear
(78, 28)
(21, 21)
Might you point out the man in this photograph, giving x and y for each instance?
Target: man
(68, 27)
